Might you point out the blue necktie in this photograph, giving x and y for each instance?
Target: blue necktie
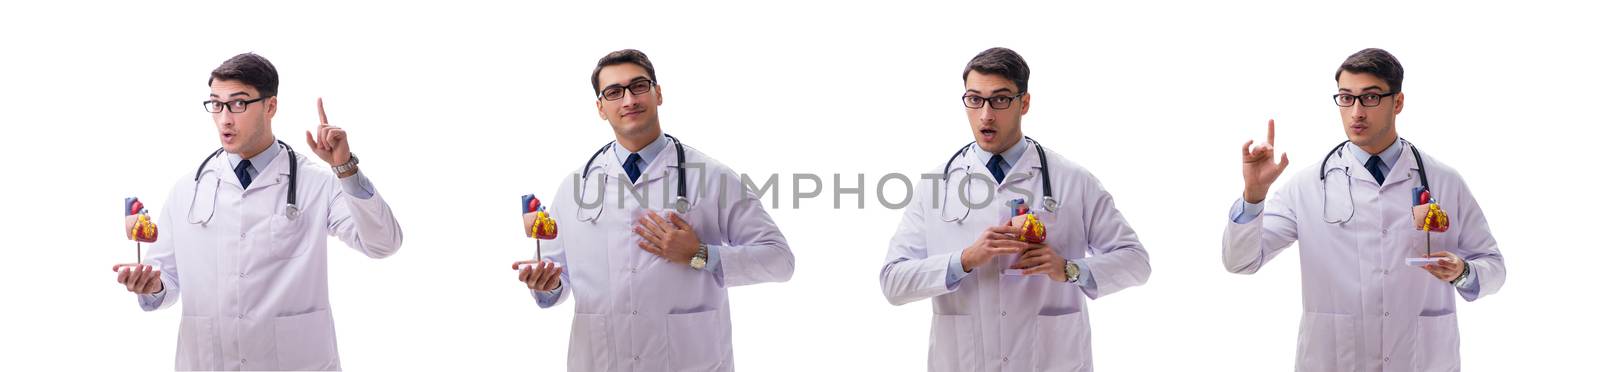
(632, 167)
(243, 171)
(995, 164)
(1372, 167)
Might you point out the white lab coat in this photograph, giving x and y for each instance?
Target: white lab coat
(254, 282)
(1365, 309)
(636, 311)
(991, 322)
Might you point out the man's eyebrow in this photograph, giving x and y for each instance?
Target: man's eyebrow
(996, 91)
(214, 95)
(1369, 87)
(630, 82)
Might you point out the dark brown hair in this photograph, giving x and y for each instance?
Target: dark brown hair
(250, 69)
(1376, 62)
(1000, 61)
(633, 56)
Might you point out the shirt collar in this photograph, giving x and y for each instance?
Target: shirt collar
(646, 154)
(1389, 155)
(260, 161)
(1010, 155)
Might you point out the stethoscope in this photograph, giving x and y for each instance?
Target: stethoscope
(1050, 203)
(681, 204)
(291, 210)
(1422, 173)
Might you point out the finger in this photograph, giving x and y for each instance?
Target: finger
(1283, 162)
(310, 142)
(1245, 151)
(650, 224)
(660, 222)
(322, 137)
(122, 276)
(518, 264)
(551, 277)
(679, 222)
(336, 136)
(1006, 229)
(649, 247)
(1010, 243)
(320, 112)
(1003, 250)
(142, 279)
(1041, 269)
(648, 235)
(1272, 131)
(525, 274)
(154, 285)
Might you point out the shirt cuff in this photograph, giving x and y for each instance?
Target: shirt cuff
(357, 186)
(548, 298)
(1243, 212)
(954, 274)
(1085, 276)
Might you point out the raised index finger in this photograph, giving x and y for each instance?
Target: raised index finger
(1272, 126)
(324, 115)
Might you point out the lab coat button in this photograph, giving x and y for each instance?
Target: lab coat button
(1002, 313)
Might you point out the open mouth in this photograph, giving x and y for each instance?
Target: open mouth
(988, 133)
(227, 137)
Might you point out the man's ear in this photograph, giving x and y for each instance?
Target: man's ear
(599, 107)
(1399, 102)
(272, 106)
(1026, 98)
(657, 90)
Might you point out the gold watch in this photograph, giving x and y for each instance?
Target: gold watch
(699, 260)
(1072, 271)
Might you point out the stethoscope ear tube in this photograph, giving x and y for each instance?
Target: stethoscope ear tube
(291, 208)
(679, 204)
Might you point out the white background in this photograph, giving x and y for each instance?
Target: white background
(457, 109)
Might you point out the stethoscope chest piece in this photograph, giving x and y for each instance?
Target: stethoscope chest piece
(1051, 204)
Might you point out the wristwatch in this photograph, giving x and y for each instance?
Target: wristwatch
(1072, 271)
(1465, 268)
(347, 166)
(699, 260)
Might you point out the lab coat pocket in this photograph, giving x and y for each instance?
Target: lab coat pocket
(1061, 343)
(306, 341)
(1438, 344)
(590, 344)
(1327, 342)
(953, 346)
(196, 344)
(698, 342)
(288, 236)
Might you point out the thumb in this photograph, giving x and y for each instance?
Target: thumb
(1283, 163)
(309, 141)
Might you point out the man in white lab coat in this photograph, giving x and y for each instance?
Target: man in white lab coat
(244, 239)
(651, 284)
(1365, 308)
(1001, 304)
